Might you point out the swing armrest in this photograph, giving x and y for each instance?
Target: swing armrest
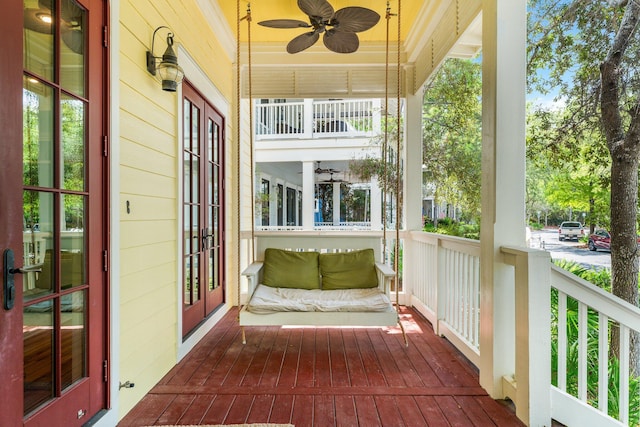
(385, 277)
(252, 273)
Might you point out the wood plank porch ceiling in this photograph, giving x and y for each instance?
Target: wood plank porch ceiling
(429, 32)
(322, 377)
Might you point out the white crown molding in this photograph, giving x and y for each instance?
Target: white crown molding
(425, 24)
(214, 16)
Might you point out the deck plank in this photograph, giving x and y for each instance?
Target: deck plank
(339, 372)
(324, 413)
(322, 359)
(431, 411)
(306, 363)
(345, 409)
(388, 411)
(355, 364)
(261, 409)
(322, 377)
(367, 411)
(239, 411)
(289, 367)
(410, 412)
(302, 414)
(272, 367)
(195, 412)
(218, 410)
(176, 409)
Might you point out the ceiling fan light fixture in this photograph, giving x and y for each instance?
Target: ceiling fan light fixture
(44, 17)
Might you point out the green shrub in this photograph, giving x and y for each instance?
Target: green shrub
(452, 227)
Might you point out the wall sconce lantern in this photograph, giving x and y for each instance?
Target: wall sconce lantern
(166, 68)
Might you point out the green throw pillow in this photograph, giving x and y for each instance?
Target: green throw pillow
(348, 270)
(288, 269)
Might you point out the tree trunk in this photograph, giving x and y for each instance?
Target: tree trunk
(624, 247)
(624, 146)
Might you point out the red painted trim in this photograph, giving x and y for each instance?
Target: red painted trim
(11, 213)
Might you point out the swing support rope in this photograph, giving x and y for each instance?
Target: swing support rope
(251, 243)
(385, 152)
(398, 174)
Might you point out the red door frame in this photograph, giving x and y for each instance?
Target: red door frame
(92, 393)
(11, 372)
(209, 300)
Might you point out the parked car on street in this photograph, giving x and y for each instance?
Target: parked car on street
(601, 239)
(570, 230)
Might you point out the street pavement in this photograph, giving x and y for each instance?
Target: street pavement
(571, 250)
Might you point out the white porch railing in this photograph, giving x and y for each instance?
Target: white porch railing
(445, 287)
(320, 226)
(592, 304)
(442, 281)
(317, 119)
(596, 311)
(282, 119)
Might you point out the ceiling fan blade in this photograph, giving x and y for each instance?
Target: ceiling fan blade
(354, 19)
(73, 39)
(318, 8)
(302, 42)
(284, 23)
(341, 42)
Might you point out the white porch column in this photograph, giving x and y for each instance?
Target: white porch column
(412, 186)
(412, 209)
(336, 203)
(504, 24)
(376, 204)
(308, 195)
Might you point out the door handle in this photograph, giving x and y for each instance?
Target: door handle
(8, 282)
(26, 269)
(205, 239)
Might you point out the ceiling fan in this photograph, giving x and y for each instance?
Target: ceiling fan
(339, 27)
(320, 170)
(331, 180)
(41, 19)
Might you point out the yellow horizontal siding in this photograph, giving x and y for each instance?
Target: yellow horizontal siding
(139, 181)
(154, 138)
(150, 152)
(145, 208)
(145, 158)
(144, 257)
(159, 274)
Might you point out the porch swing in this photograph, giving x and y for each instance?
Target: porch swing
(331, 279)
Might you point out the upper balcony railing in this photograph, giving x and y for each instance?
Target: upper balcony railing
(310, 119)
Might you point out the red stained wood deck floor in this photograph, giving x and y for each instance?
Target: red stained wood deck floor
(322, 377)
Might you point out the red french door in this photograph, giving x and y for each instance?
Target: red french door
(203, 201)
(53, 240)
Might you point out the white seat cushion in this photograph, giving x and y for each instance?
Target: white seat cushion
(267, 299)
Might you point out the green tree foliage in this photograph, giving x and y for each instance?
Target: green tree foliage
(589, 51)
(452, 137)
